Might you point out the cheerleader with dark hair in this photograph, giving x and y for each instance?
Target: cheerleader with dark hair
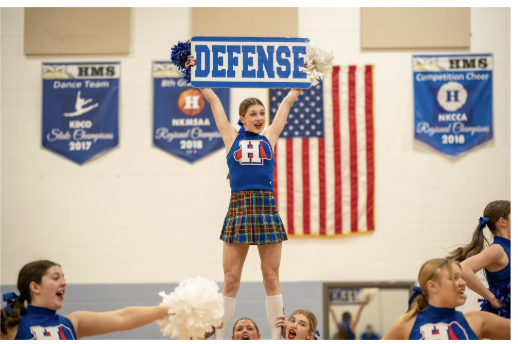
(495, 259)
(42, 285)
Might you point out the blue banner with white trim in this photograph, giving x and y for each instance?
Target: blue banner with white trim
(80, 109)
(263, 62)
(453, 101)
(183, 123)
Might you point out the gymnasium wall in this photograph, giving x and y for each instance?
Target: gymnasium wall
(137, 220)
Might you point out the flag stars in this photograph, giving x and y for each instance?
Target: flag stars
(296, 121)
(318, 121)
(301, 115)
(319, 132)
(308, 132)
(291, 127)
(307, 98)
(301, 104)
(295, 110)
(290, 116)
(307, 122)
(296, 132)
(313, 127)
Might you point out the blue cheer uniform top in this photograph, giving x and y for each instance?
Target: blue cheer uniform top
(500, 283)
(497, 279)
(44, 323)
(250, 163)
(441, 323)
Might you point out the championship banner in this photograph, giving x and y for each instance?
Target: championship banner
(265, 62)
(183, 124)
(80, 108)
(453, 101)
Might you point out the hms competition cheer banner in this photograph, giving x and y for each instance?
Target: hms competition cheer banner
(453, 101)
(266, 62)
(183, 124)
(80, 109)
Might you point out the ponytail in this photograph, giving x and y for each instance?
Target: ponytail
(12, 312)
(474, 247)
(492, 213)
(418, 303)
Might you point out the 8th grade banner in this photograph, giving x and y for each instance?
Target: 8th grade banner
(80, 109)
(183, 124)
(264, 62)
(453, 101)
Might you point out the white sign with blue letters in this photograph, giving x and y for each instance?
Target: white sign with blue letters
(260, 62)
(453, 101)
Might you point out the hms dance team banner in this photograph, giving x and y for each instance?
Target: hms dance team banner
(453, 101)
(80, 109)
(183, 124)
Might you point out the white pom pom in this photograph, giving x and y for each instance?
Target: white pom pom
(367, 294)
(195, 307)
(318, 62)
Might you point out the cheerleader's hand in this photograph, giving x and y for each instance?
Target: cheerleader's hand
(281, 322)
(191, 61)
(495, 303)
(310, 66)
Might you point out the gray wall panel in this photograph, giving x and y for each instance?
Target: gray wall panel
(250, 302)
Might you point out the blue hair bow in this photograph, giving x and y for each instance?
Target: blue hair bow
(241, 130)
(417, 291)
(317, 334)
(9, 298)
(481, 224)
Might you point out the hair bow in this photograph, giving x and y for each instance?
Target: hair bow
(241, 130)
(9, 298)
(481, 224)
(417, 291)
(317, 334)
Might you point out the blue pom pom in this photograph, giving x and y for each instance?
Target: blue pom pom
(179, 55)
(503, 294)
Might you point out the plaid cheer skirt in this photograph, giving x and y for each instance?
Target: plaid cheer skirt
(252, 218)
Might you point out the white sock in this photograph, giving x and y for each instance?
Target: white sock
(274, 307)
(229, 306)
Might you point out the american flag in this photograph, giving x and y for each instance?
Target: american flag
(324, 159)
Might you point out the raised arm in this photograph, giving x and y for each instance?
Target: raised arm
(273, 132)
(89, 324)
(356, 319)
(475, 263)
(333, 315)
(227, 131)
